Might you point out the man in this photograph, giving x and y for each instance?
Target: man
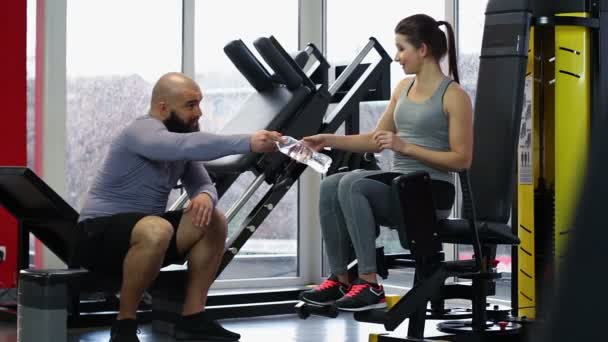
(123, 226)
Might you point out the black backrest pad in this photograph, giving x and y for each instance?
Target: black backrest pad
(306, 81)
(301, 58)
(248, 65)
(498, 109)
(417, 224)
(278, 62)
(39, 208)
(27, 197)
(502, 6)
(271, 110)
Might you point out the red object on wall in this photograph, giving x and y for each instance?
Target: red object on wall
(13, 92)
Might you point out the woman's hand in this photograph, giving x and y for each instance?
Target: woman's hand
(316, 142)
(389, 140)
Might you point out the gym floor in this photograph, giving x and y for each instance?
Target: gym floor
(269, 328)
(275, 328)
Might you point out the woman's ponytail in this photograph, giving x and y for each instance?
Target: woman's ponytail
(451, 50)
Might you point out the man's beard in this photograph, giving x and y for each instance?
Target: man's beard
(176, 125)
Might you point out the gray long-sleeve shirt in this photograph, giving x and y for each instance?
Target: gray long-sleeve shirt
(144, 163)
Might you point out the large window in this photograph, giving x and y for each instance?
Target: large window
(114, 56)
(470, 32)
(272, 250)
(351, 23)
(217, 24)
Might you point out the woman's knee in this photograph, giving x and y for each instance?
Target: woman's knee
(345, 187)
(330, 184)
(329, 188)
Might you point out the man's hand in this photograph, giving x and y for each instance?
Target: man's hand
(265, 141)
(316, 142)
(389, 140)
(202, 210)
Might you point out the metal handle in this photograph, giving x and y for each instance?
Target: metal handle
(180, 202)
(231, 213)
(333, 89)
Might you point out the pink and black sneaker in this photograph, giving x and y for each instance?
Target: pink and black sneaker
(326, 293)
(362, 296)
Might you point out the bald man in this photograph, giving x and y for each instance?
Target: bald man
(123, 227)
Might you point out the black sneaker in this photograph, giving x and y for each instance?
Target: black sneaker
(362, 296)
(124, 330)
(326, 293)
(199, 327)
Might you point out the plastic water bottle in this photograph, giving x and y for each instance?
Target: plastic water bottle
(296, 150)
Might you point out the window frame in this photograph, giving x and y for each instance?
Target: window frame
(312, 27)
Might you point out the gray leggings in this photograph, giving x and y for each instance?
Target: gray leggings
(350, 207)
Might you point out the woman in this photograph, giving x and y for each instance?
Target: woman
(428, 124)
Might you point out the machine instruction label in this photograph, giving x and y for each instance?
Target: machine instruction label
(525, 136)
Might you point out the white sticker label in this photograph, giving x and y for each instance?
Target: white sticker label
(525, 136)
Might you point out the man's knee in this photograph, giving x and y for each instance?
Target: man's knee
(153, 231)
(219, 224)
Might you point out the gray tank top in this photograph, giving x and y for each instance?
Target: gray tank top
(424, 124)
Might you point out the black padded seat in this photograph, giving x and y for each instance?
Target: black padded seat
(461, 266)
(459, 231)
(270, 110)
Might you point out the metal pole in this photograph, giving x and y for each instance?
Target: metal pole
(183, 198)
(245, 197)
(180, 202)
(350, 68)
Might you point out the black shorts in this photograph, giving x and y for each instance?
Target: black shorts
(103, 242)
